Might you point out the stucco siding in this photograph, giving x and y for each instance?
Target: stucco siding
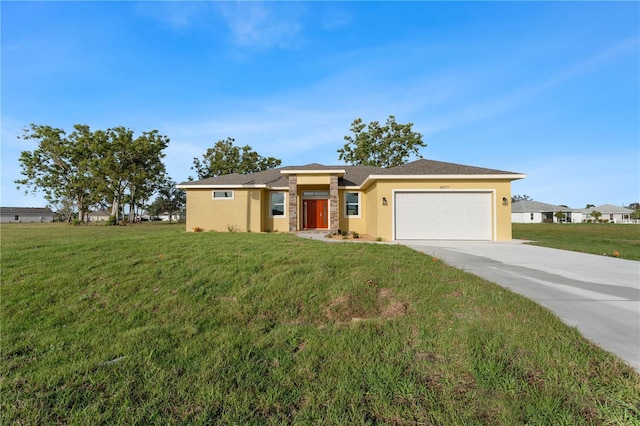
(501, 214)
(241, 213)
(311, 179)
(526, 217)
(270, 223)
(352, 223)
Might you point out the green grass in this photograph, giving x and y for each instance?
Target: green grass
(595, 238)
(148, 324)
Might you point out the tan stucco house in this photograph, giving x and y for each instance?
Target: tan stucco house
(423, 199)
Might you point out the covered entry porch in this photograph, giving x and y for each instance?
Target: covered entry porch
(313, 199)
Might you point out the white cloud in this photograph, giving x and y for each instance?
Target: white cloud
(263, 25)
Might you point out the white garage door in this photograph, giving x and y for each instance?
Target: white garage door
(443, 216)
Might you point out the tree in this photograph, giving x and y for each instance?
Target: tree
(226, 158)
(129, 168)
(381, 146)
(170, 199)
(61, 166)
(596, 214)
(559, 215)
(516, 198)
(93, 168)
(589, 206)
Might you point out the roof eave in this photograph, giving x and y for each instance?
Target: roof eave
(212, 186)
(339, 172)
(510, 176)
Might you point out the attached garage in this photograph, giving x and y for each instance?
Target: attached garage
(442, 215)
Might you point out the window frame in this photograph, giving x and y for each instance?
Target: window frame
(358, 204)
(284, 204)
(213, 195)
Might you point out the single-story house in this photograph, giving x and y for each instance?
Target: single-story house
(175, 217)
(537, 212)
(611, 213)
(25, 214)
(98, 216)
(423, 199)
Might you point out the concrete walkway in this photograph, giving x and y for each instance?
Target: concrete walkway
(598, 295)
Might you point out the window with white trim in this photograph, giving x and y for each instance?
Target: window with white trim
(352, 204)
(222, 195)
(276, 204)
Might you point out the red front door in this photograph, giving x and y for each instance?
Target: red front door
(316, 214)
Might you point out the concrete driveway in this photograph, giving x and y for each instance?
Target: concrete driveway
(598, 295)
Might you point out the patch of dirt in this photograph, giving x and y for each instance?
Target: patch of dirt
(456, 293)
(344, 308)
(394, 309)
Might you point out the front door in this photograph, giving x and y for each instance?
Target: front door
(315, 214)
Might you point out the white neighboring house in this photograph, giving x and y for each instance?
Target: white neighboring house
(537, 212)
(175, 217)
(25, 214)
(98, 216)
(611, 213)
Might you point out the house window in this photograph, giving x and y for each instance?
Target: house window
(276, 204)
(352, 204)
(531, 216)
(223, 195)
(324, 194)
(16, 218)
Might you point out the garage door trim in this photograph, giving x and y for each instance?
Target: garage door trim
(492, 192)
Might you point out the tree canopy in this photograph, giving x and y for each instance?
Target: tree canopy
(226, 158)
(169, 200)
(93, 169)
(517, 197)
(378, 145)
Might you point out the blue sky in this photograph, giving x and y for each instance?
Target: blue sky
(546, 89)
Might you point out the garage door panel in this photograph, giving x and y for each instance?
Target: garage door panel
(443, 215)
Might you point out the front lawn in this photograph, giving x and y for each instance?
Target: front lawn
(147, 324)
(615, 240)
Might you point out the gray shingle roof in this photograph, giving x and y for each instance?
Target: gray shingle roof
(25, 210)
(536, 207)
(607, 209)
(431, 167)
(354, 175)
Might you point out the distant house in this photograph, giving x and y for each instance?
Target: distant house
(537, 212)
(175, 217)
(98, 216)
(611, 213)
(25, 214)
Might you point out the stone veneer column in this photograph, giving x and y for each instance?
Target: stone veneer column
(293, 203)
(334, 221)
